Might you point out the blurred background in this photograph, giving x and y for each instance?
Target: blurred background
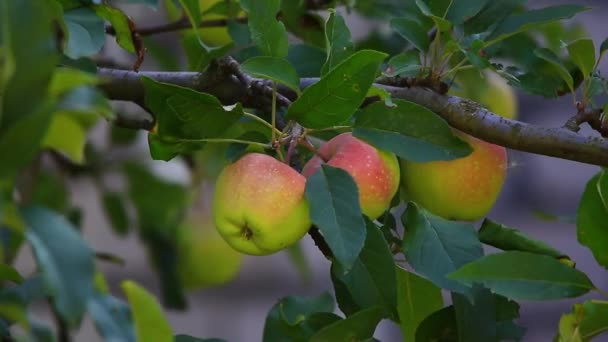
(236, 311)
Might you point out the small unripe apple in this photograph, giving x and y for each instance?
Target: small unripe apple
(375, 172)
(204, 258)
(491, 91)
(460, 189)
(259, 205)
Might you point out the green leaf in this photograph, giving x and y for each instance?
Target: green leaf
(268, 34)
(65, 135)
(372, 280)
(359, 326)
(112, 318)
(120, 23)
(66, 261)
(185, 117)
(410, 131)
(509, 239)
(435, 247)
(439, 326)
(8, 272)
(462, 10)
(339, 43)
(273, 68)
(193, 11)
(307, 59)
(532, 18)
(537, 277)
(86, 32)
(588, 320)
(417, 298)
(550, 57)
(150, 322)
(592, 215)
(115, 210)
(186, 338)
(603, 48)
(66, 79)
(405, 64)
(582, 53)
(334, 208)
(49, 190)
(413, 32)
(335, 98)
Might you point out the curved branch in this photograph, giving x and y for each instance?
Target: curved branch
(461, 114)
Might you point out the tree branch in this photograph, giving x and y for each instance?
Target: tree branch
(181, 24)
(461, 114)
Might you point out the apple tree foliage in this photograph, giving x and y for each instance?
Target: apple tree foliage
(447, 289)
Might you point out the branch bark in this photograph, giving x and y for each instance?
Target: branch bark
(461, 114)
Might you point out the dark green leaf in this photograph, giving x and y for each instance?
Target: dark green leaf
(475, 319)
(603, 48)
(8, 272)
(334, 208)
(588, 320)
(550, 57)
(112, 318)
(410, 131)
(417, 298)
(357, 327)
(268, 34)
(307, 59)
(335, 98)
(461, 10)
(116, 212)
(338, 41)
(372, 280)
(440, 326)
(532, 18)
(86, 32)
(120, 23)
(150, 322)
(492, 14)
(582, 53)
(592, 218)
(49, 190)
(66, 261)
(436, 247)
(193, 11)
(537, 277)
(273, 68)
(413, 31)
(509, 239)
(405, 64)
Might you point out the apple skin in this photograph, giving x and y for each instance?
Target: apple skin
(491, 91)
(204, 258)
(259, 205)
(463, 189)
(375, 172)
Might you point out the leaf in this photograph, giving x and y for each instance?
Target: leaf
(268, 34)
(537, 277)
(405, 64)
(86, 32)
(592, 218)
(115, 210)
(65, 135)
(603, 48)
(49, 190)
(339, 93)
(112, 318)
(8, 272)
(372, 280)
(509, 239)
(532, 18)
(462, 10)
(491, 15)
(582, 53)
(185, 117)
(410, 131)
(66, 79)
(186, 338)
(150, 322)
(413, 32)
(193, 11)
(307, 59)
(65, 260)
(435, 247)
(588, 320)
(417, 298)
(294, 309)
(357, 327)
(273, 68)
(334, 208)
(120, 23)
(338, 41)
(550, 57)
(440, 326)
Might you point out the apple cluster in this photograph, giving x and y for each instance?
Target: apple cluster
(259, 204)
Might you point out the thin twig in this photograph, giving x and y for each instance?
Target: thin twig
(181, 24)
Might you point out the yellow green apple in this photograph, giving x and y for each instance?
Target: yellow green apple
(460, 189)
(204, 258)
(487, 88)
(375, 172)
(259, 205)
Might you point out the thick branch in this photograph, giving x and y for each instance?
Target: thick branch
(462, 114)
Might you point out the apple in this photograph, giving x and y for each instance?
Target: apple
(259, 206)
(460, 189)
(489, 89)
(204, 258)
(375, 172)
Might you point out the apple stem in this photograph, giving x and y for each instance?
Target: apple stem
(274, 111)
(309, 146)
